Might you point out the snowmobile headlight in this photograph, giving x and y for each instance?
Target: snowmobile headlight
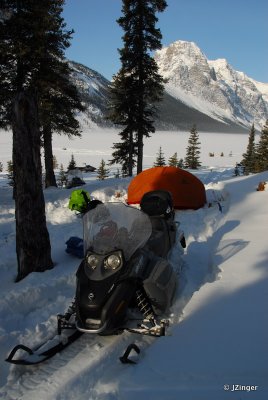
(93, 261)
(113, 261)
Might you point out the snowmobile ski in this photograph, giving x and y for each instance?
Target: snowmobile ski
(43, 352)
(125, 357)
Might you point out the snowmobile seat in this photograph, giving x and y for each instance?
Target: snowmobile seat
(163, 235)
(157, 203)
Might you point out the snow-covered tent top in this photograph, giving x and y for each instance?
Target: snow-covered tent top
(187, 190)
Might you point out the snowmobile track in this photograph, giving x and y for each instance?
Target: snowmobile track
(86, 355)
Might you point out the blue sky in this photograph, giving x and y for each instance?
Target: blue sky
(233, 29)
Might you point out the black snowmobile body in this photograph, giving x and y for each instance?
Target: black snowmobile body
(125, 264)
(125, 267)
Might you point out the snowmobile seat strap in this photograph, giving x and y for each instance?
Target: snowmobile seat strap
(14, 351)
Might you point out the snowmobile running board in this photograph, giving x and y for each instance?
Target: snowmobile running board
(43, 352)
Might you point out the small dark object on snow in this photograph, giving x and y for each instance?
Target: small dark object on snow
(76, 181)
(75, 246)
(87, 168)
(261, 186)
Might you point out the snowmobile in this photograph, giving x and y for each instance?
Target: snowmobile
(125, 272)
(125, 264)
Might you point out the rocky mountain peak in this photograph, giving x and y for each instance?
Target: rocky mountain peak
(212, 87)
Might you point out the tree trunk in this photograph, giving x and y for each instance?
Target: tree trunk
(50, 179)
(130, 159)
(140, 152)
(32, 238)
(140, 132)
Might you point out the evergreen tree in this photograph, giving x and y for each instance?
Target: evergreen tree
(55, 163)
(125, 152)
(173, 160)
(32, 237)
(117, 174)
(34, 74)
(160, 159)
(10, 175)
(137, 86)
(34, 40)
(249, 158)
(22, 55)
(1, 166)
(262, 150)
(102, 171)
(124, 172)
(193, 150)
(72, 163)
(59, 97)
(62, 176)
(58, 113)
(180, 163)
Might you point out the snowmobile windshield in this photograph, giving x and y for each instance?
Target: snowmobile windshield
(114, 226)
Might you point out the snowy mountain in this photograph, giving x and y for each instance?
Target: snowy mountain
(94, 91)
(210, 94)
(212, 87)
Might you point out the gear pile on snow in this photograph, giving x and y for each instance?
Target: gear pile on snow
(79, 200)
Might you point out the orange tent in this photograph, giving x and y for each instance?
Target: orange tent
(187, 190)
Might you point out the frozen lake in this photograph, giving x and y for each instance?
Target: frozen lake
(95, 145)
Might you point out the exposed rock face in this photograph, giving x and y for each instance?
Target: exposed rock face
(94, 89)
(212, 87)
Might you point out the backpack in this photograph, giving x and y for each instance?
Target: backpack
(157, 203)
(79, 200)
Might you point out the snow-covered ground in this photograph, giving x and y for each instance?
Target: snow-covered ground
(216, 347)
